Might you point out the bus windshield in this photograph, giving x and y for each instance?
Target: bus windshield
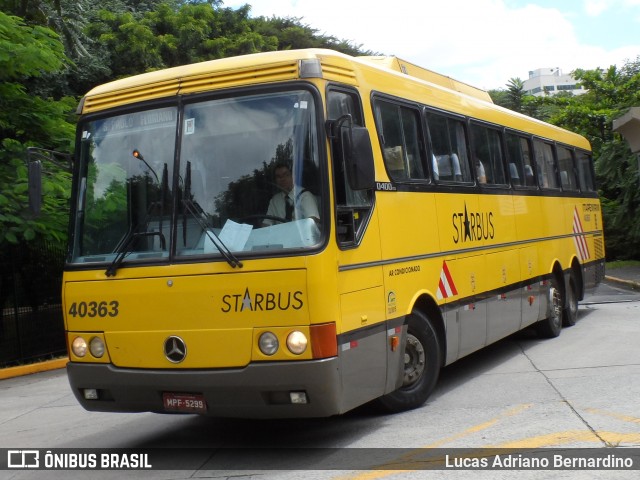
(228, 177)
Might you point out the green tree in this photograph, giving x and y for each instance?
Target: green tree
(610, 93)
(29, 120)
(515, 94)
(182, 32)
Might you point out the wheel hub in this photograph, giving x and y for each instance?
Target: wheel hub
(414, 360)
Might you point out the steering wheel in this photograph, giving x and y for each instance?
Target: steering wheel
(257, 219)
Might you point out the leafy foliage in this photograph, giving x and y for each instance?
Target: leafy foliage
(55, 50)
(42, 74)
(27, 120)
(609, 94)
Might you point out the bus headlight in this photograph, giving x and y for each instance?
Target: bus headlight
(297, 342)
(268, 343)
(96, 347)
(79, 347)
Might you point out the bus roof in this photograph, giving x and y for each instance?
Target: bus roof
(259, 67)
(285, 65)
(399, 65)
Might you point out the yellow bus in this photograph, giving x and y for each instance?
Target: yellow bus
(294, 234)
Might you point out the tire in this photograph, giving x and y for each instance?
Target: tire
(570, 314)
(422, 367)
(551, 326)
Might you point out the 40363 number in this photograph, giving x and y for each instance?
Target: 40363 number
(94, 309)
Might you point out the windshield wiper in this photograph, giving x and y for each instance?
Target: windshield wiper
(194, 210)
(197, 213)
(123, 250)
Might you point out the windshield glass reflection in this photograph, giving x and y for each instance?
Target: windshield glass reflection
(251, 170)
(248, 181)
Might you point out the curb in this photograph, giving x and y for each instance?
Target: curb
(623, 283)
(21, 370)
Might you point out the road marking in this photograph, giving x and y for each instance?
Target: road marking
(410, 457)
(618, 416)
(416, 456)
(571, 436)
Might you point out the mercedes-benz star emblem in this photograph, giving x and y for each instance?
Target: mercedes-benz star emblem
(175, 349)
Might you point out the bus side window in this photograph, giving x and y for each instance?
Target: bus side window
(585, 172)
(399, 132)
(353, 207)
(567, 170)
(450, 161)
(519, 158)
(487, 155)
(545, 165)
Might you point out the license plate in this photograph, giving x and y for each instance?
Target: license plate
(184, 402)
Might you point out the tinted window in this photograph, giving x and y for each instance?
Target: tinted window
(585, 172)
(487, 155)
(545, 165)
(520, 163)
(567, 172)
(353, 207)
(399, 130)
(450, 161)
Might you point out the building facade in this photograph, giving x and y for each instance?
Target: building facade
(551, 81)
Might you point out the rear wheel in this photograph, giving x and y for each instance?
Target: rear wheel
(552, 325)
(570, 314)
(422, 362)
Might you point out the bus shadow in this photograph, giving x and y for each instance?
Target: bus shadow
(493, 356)
(232, 435)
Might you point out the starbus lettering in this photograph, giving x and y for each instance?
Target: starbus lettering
(261, 301)
(472, 226)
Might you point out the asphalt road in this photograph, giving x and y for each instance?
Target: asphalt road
(579, 390)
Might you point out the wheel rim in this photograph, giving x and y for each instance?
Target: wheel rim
(414, 361)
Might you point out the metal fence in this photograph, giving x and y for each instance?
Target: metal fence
(31, 324)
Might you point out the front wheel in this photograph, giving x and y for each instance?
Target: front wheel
(422, 362)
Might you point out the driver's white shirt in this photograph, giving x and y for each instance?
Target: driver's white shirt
(304, 202)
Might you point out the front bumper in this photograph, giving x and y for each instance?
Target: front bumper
(260, 390)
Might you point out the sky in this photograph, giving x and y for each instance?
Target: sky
(484, 43)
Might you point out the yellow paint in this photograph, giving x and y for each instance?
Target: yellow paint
(18, 371)
(624, 418)
(569, 437)
(550, 440)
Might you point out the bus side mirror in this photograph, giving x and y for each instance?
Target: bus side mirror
(358, 157)
(35, 186)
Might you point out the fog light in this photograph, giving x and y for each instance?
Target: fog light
(79, 347)
(297, 342)
(298, 397)
(90, 394)
(268, 343)
(96, 347)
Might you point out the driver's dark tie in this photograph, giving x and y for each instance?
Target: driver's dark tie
(288, 208)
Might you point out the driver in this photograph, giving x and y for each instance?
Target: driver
(291, 202)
